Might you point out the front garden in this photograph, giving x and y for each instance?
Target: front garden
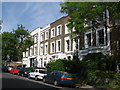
(96, 70)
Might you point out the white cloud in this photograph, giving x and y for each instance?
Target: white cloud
(31, 15)
(25, 9)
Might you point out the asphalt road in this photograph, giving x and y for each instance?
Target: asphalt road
(10, 81)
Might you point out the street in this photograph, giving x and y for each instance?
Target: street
(15, 81)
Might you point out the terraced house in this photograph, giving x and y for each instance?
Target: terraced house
(104, 39)
(50, 43)
(53, 42)
(31, 56)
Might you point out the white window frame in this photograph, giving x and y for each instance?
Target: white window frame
(85, 39)
(35, 50)
(57, 45)
(42, 36)
(51, 50)
(97, 36)
(46, 49)
(52, 32)
(60, 30)
(36, 38)
(31, 51)
(41, 49)
(24, 54)
(46, 36)
(67, 31)
(74, 44)
(65, 48)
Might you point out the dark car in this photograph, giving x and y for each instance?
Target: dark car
(60, 77)
(5, 69)
(24, 72)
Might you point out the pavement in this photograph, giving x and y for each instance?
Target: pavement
(14, 81)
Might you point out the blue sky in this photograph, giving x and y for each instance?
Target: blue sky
(29, 14)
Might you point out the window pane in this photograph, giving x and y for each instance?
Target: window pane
(59, 30)
(68, 45)
(89, 39)
(52, 47)
(101, 37)
(58, 45)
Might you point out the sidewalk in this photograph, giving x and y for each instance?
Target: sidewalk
(88, 87)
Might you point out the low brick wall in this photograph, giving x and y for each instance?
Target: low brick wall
(14, 64)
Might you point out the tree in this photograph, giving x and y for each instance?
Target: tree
(0, 25)
(94, 13)
(9, 46)
(24, 40)
(14, 43)
(84, 12)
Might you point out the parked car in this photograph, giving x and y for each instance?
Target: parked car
(4, 68)
(7, 68)
(60, 77)
(15, 70)
(10, 68)
(37, 74)
(24, 72)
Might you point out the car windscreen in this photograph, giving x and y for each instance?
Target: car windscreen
(68, 74)
(18, 68)
(44, 72)
(27, 70)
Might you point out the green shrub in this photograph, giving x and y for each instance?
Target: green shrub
(19, 65)
(55, 65)
(117, 78)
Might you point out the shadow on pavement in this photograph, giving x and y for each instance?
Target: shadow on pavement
(11, 83)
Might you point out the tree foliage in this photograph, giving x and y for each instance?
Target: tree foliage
(8, 45)
(84, 12)
(24, 40)
(94, 69)
(56, 65)
(1, 24)
(14, 43)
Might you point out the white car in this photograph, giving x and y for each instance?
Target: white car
(37, 74)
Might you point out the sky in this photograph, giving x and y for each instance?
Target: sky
(29, 14)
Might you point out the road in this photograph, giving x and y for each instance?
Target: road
(10, 81)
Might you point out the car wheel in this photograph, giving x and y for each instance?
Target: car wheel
(36, 78)
(55, 83)
(22, 75)
(44, 80)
